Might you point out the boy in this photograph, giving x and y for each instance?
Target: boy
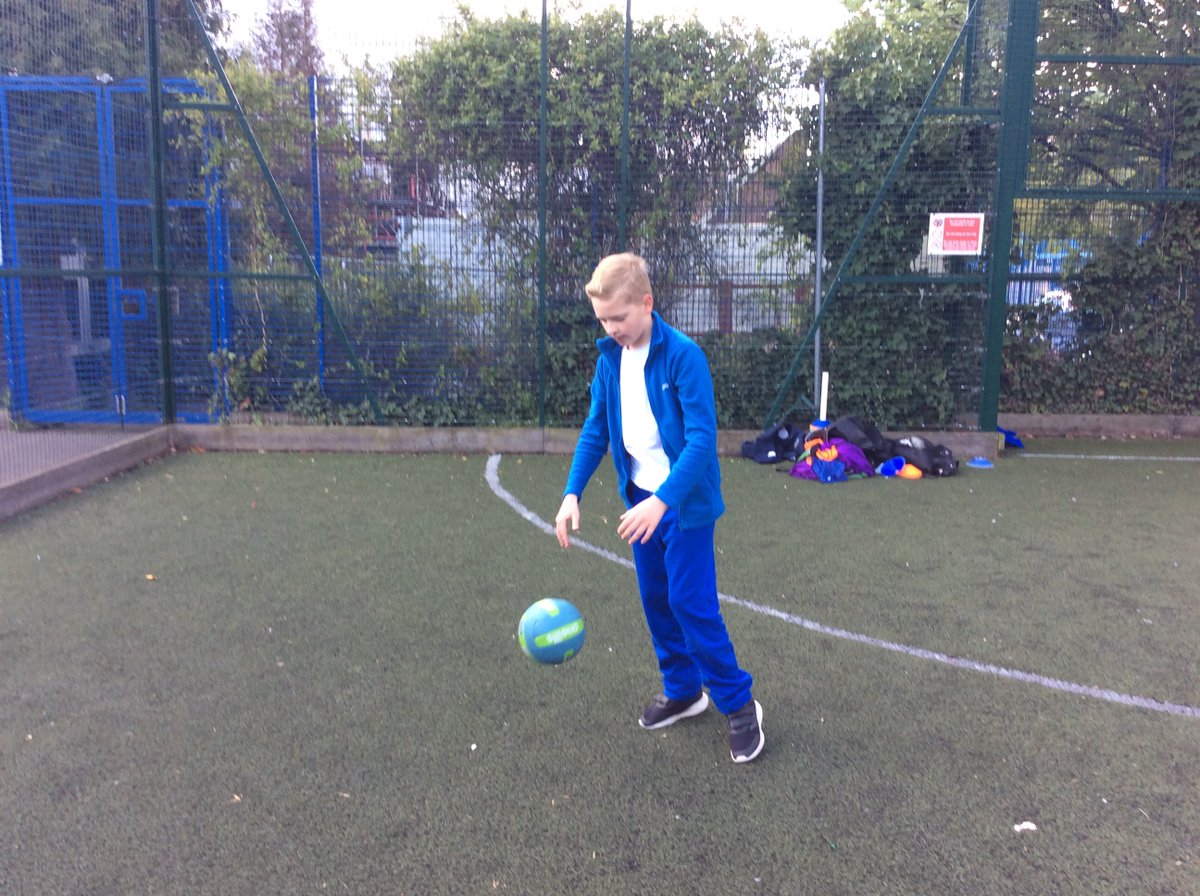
(652, 401)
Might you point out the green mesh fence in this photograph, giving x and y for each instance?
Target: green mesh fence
(405, 241)
(902, 324)
(1110, 205)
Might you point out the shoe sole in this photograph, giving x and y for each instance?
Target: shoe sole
(694, 710)
(762, 738)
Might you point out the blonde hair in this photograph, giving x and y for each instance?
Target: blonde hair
(623, 276)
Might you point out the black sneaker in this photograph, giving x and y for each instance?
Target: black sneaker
(746, 738)
(663, 711)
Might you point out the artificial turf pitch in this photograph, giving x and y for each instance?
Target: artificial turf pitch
(298, 673)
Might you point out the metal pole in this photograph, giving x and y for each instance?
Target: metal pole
(1016, 107)
(235, 106)
(865, 223)
(970, 48)
(315, 162)
(623, 212)
(542, 162)
(158, 228)
(819, 259)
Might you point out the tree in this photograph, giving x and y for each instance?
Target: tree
(271, 78)
(285, 41)
(467, 105)
(1119, 125)
(275, 340)
(100, 38)
(892, 358)
(472, 97)
(1124, 128)
(878, 69)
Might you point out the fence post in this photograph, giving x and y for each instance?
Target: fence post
(623, 210)
(777, 409)
(315, 163)
(542, 187)
(158, 227)
(819, 247)
(725, 306)
(235, 106)
(1012, 155)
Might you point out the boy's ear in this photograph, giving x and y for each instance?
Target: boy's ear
(648, 301)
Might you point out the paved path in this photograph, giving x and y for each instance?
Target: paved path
(25, 453)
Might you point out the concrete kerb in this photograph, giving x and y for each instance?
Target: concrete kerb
(374, 439)
(129, 452)
(86, 469)
(429, 440)
(1103, 426)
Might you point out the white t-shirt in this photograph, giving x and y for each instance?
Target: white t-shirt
(639, 429)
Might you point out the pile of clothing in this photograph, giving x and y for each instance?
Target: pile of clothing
(849, 447)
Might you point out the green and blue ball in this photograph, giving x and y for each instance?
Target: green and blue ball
(551, 631)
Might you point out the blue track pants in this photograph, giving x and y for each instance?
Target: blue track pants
(677, 577)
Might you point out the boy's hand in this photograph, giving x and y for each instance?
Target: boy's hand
(640, 520)
(567, 513)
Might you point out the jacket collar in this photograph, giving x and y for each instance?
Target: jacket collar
(609, 347)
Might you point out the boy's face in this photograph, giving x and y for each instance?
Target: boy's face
(628, 321)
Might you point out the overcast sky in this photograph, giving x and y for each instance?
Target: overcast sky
(382, 29)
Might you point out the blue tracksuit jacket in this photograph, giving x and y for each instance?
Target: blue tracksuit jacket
(679, 385)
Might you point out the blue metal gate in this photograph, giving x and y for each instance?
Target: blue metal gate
(81, 338)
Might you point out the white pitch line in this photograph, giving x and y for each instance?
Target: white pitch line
(1055, 684)
(1140, 457)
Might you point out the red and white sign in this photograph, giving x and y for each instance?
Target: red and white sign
(952, 233)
